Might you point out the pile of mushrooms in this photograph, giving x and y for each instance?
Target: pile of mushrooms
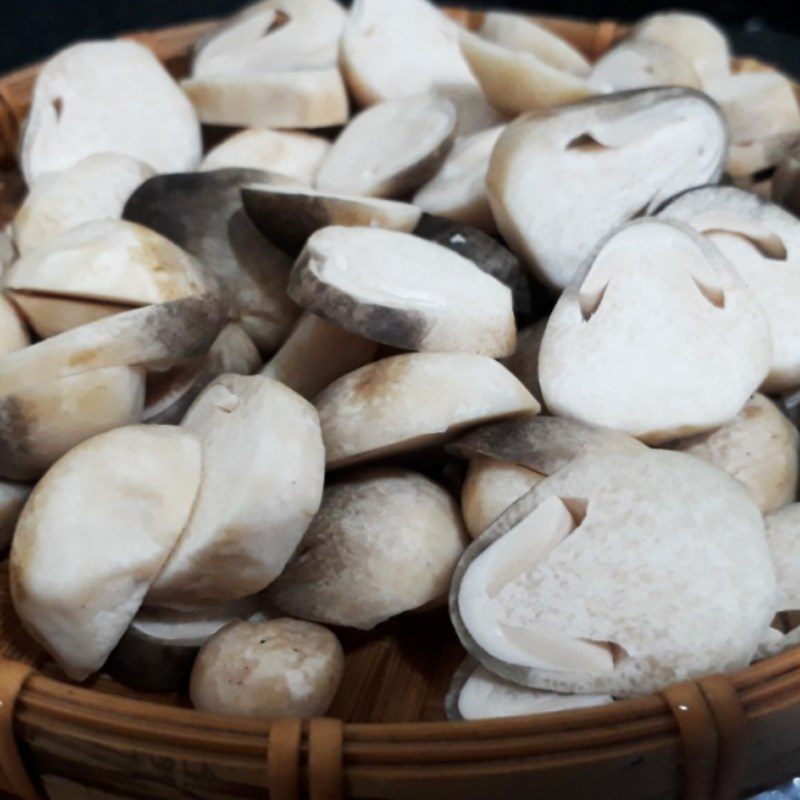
(514, 337)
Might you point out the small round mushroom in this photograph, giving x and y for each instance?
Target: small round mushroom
(279, 668)
(385, 541)
(94, 188)
(246, 523)
(403, 291)
(13, 333)
(524, 361)
(294, 154)
(657, 336)
(597, 164)
(407, 402)
(759, 447)
(12, 498)
(560, 593)
(107, 97)
(95, 533)
(391, 148)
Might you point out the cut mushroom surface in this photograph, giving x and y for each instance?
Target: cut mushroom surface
(278, 668)
(245, 524)
(406, 402)
(759, 447)
(657, 336)
(391, 148)
(13, 333)
(385, 541)
(12, 498)
(597, 164)
(378, 62)
(292, 153)
(202, 213)
(94, 188)
(287, 216)
(108, 97)
(403, 291)
(49, 315)
(561, 592)
(95, 533)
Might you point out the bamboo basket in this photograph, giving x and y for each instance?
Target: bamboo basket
(386, 737)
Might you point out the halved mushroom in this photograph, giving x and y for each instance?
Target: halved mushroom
(693, 36)
(391, 148)
(458, 190)
(162, 334)
(561, 592)
(292, 153)
(639, 63)
(245, 524)
(609, 159)
(524, 361)
(385, 541)
(287, 216)
(759, 447)
(403, 291)
(94, 188)
(272, 36)
(279, 668)
(103, 265)
(94, 535)
(316, 354)
(657, 336)
(13, 333)
(762, 243)
(515, 81)
(12, 498)
(40, 423)
(108, 97)
(309, 98)
(378, 62)
(413, 400)
(202, 213)
(477, 693)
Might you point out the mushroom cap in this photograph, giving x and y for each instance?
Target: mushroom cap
(390, 148)
(564, 591)
(95, 533)
(202, 213)
(759, 447)
(309, 98)
(272, 35)
(294, 154)
(12, 498)
(94, 188)
(245, 524)
(403, 291)
(42, 422)
(378, 63)
(279, 668)
(609, 158)
(657, 336)
(385, 541)
(108, 97)
(13, 333)
(762, 243)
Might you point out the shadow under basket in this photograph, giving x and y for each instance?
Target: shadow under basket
(386, 737)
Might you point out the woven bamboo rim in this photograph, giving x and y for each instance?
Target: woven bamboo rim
(704, 740)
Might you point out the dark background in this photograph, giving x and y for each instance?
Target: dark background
(31, 29)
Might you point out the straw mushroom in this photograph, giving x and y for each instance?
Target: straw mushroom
(294, 154)
(385, 541)
(701, 345)
(202, 213)
(245, 524)
(403, 291)
(391, 148)
(13, 333)
(562, 591)
(108, 97)
(123, 515)
(407, 402)
(640, 63)
(12, 498)
(610, 158)
(94, 188)
(279, 668)
(762, 243)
